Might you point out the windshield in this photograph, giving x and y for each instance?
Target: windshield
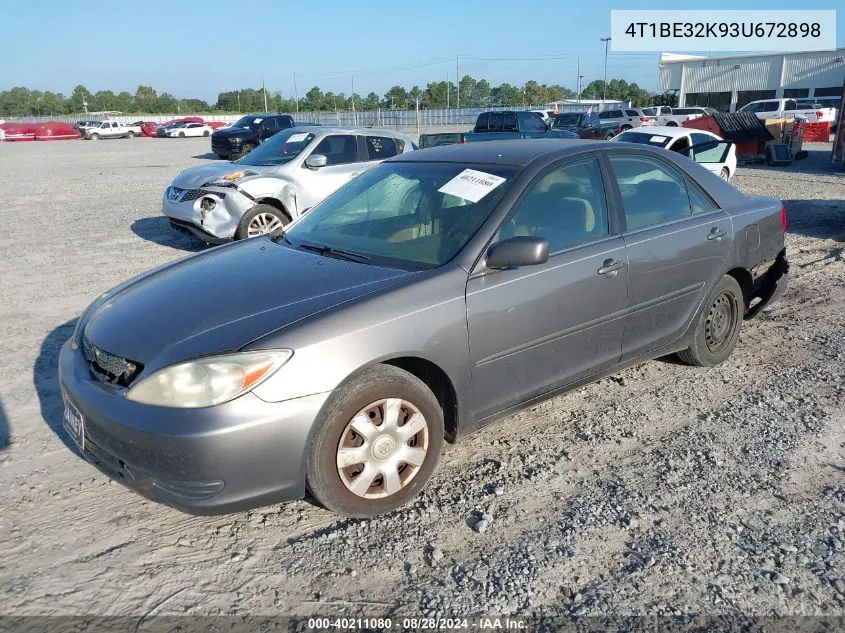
(246, 122)
(566, 120)
(406, 215)
(279, 149)
(658, 140)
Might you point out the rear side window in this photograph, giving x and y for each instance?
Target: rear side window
(604, 115)
(699, 202)
(483, 122)
(632, 113)
(509, 123)
(652, 191)
(616, 114)
(380, 147)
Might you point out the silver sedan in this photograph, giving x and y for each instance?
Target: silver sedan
(275, 183)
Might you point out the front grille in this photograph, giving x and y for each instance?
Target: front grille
(108, 367)
(193, 194)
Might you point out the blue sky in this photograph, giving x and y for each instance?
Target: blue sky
(196, 49)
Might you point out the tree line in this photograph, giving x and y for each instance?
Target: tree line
(468, 93)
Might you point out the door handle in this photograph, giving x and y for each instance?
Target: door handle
(610, 268)
(716, 234)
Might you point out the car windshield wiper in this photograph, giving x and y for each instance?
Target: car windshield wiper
(322, 249)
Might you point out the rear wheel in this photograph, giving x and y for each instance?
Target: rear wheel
(130, 134)
(95, 137)
(725, 174)
(261, 220)
(206, 133)
(181, 135)
(718, 326)
(379, 443)
(609, 135)
(671, 124)
(626, 127)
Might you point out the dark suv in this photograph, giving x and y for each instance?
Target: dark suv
(247, 133)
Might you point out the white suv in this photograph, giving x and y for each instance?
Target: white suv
(626, 118)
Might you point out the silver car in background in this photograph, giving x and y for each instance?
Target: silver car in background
(276, 182)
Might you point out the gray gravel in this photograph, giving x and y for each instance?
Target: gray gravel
(663, 490)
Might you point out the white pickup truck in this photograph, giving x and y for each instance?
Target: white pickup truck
(777, 108)
(674, 117)
(111, 129)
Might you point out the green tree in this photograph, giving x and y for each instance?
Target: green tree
(396, 98)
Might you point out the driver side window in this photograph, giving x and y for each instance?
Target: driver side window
(339, 149)
(566, 206)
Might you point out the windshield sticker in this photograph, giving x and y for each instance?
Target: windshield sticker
(297, 138)
(257, 121)
(657, 139)
(471, 185)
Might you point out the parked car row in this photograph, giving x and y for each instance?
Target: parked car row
(402, 304)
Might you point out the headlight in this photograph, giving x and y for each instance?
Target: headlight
(206, 382)
(80, 322)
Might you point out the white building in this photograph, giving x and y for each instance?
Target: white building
(728, 83)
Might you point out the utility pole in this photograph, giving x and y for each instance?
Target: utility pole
(578, 82)
(264, 89)
(457, 83)
(239, 100)
(606, 41)
(295, 93)
(354, 115)
(448, 90)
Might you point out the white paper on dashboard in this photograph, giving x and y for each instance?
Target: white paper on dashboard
(297, 138)
(471, 185)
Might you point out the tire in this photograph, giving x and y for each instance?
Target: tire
(181, 135)
(609, 135)
(243, 231)
(247, 148)
(130, 134)
(672, 124)
(374, 392)
(223, 156)
(626, 127)
(721, 319)
(725, 174)
(95, 137)
(206, 133)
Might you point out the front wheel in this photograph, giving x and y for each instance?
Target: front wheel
(247, 148)
(181, 135)
(378, 443)
(261, 220)
(718, 326)
(206, 133)
(95, 137)
(626, 127)
(671, 124)
(725, 174)
(130, 135)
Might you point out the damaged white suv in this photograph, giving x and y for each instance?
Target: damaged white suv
(276, 182)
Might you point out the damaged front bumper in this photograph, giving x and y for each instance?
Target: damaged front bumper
(770, 280)
(210, 213)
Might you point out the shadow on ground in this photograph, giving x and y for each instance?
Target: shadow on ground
(5, 429)
(817, 163)
(821, 219)
(207, 156)
(158, 230)
(45, 376)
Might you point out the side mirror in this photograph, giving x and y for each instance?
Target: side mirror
(518, 251)
(315, 161)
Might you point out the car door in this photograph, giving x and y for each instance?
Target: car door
(535, 328)
(674, 255)
(709, 152)
(376, 148)
(342, 165)
(267, 128)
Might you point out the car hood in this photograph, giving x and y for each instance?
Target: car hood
(227, 132)
(223, 299)
(194, 177)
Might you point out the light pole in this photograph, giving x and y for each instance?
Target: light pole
(606, 41)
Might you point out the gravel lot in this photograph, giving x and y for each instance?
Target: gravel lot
(665, 489)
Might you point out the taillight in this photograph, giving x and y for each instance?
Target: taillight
(463, 140)
(783, 218)
(643, 119)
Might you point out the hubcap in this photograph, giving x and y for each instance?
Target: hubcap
(263, 223)
(720, 320)
(382, 448)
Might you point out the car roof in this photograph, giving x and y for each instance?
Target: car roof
(666, 130)
(521, 152)
(335, 129)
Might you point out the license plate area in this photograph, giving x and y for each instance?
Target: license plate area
(74, 423)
